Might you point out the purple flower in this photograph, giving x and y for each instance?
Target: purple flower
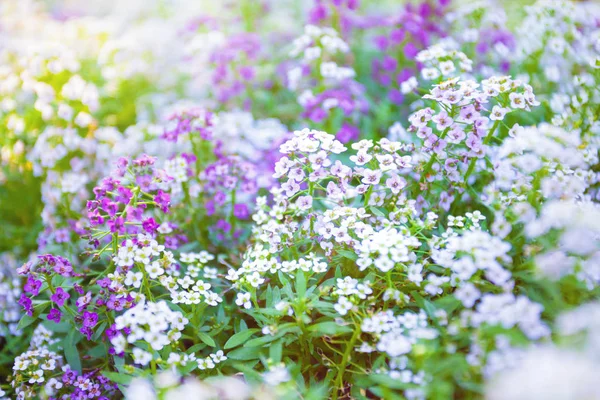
(144, 160)
(389, 63)
(473, 142)
(220, 198)
(163, 200)
(62, 266)
(104, 282)
(32, 286)
(87, 332)
(135, 213)
(397, 36)
(347, 133)
(83, 301)
(247, 73)
(124, 195)
(60, 296)
(110, 207)
(317, 14)
(410, 50)
(95, 218)
(115, 303)
(404, 75)
(396, 96)
(150, 225)
(69, 376)
(61, 235)
(25, 302)
(317, 115)
(241, 211)
(117, 225)
(78, 288)
(90, 319)
(223, 225)
(122, 164)
(381, 42)
(54, 315)
(111, 332)
(210, 207)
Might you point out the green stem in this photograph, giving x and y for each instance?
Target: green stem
(340, 377)
(486, 141)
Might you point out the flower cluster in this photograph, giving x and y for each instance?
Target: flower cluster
(352, 199)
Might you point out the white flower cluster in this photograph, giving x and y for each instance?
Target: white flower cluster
(146, 254)
(554, 154)
(472, 251)
(385, 249)
(241, 134)
(441, 62)
(169, 385)
(258, 262)
(320, 46)
(508, 311)
(176, 168)
(315, 40)
(350, 292)
(396, 334)
(547, 373)
(153, 323)
(563, 34)
(188, 290)
(36, 367)
(578, 247)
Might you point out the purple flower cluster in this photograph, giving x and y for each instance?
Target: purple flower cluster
(227, 185)
(114, 204)
(406, 34)
(233, 70)
(37, 274)
(193, 120)
(90, 385)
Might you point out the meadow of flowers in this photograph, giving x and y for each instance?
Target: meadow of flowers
(299, 199)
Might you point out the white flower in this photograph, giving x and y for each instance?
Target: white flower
(498, 113)
(304, 202)
(468, 294)
(218, 357)
(371, 177)
(206, 363)
(37, 376)
(343, 305)
(255, 279)
(134, 279)
(361, 158)
(276, 376)
(141, 357)
(244, 299)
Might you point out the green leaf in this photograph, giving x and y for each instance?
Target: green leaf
(25, 321)
(377, 212)
(71, 352)
(118, 377)
(300, 283)
(329, 328)
(196, 347)
(248, 371)
(99, 330)
(388, 381)
(239, 338)
(245, 353)
(275, 351)
(348, 254)
(207, 339)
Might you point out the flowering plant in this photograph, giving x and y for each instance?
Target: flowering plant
(377, 202)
